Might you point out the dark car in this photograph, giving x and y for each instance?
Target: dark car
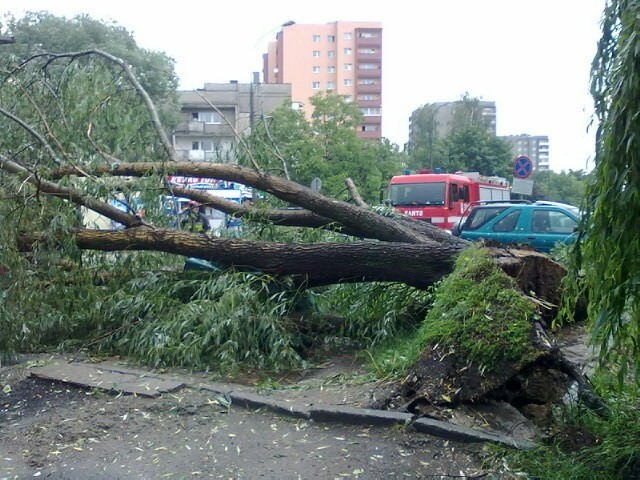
(539, 224)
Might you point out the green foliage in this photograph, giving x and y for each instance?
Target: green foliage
(609, 254)
(471, 148)
(566, 187)
(478, 310)
(326, 146)
(40, 32)
(468, 145)
(132, 305)
(374, 312)
(221, 321)
(611, 449)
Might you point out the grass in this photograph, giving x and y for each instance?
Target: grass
(612, 449)
(478, 309)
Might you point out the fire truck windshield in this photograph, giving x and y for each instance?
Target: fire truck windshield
(417, 194)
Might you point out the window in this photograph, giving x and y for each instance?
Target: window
(331, 85)
(369, 66)
(480, 216)
(316, 69)
(417, 193)
(508, 223)
(553, 221)
(347, 82)
(316, 53)
(315, 85)
(347, 51)
(348, 98)
(316, 38)
(366, 81)
(331, 38)
(331, 53)
(367, 98)
(367, 51)
(371, 111)
(204, 145)
(348, 35)
(454, 195)
(211, 118)
(367, 35)
(369, 128)
(331, 69)
(348, 66)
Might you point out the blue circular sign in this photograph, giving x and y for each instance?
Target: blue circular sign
(522, 167)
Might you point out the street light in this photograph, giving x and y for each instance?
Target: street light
(433, 121)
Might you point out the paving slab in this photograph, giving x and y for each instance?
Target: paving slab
(85, 375)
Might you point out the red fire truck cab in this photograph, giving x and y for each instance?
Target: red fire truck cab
(442, 198)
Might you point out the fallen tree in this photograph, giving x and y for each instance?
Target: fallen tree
(369, 247)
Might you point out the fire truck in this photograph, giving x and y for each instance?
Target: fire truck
(443, 198)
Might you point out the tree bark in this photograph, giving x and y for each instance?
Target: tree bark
(314, 264)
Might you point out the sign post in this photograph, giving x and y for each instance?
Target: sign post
(522, 168)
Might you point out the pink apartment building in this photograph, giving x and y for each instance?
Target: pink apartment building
(343, 57)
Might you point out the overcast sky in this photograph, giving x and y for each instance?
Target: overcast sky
(532, 57)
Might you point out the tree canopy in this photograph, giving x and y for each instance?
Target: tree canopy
(326, 146)
(566, 186)
(43, 32)
(468, 145)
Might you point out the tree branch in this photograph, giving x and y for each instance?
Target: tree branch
(74, 196)
(355, 195)
(353, 217)
(153, 113)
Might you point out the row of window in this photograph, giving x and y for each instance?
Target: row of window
(347, 67)
(346, 51)
(346, 35)
(330, 38)
(347, 82)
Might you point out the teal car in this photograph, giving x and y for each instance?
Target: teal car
(541, 225)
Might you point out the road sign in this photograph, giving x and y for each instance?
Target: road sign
(522, 166)
(522, 186)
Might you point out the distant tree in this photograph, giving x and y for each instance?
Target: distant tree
(327, 146)
(566, 187)
(468, 145)
(471, 148)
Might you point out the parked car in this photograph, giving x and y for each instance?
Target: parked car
(539, 224)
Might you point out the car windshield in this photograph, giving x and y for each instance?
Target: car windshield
(417, 194)
(481, 215)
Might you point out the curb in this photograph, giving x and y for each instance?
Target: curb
(367, 416)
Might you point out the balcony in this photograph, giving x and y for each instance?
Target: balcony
(369, 57)
(377, 88)
(200, 128)
(372, 120)
(369, 41)
(370, 135)
(369, 73)
(369, 103)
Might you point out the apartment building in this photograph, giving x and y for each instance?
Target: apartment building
(440, 115)
(213, 117)
(536, 147)
(340, 57)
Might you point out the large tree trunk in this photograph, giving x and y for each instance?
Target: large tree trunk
(313, 264)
